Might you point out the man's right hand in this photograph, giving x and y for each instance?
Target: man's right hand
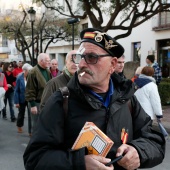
(34, 110)
(94, 162)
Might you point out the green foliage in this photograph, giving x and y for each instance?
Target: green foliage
(164, 91)
(166, 80)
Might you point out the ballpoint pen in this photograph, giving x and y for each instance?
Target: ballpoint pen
(114, 160)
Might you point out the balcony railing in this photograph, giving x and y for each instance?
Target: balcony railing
(161, 27)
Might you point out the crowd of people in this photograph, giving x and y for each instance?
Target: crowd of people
(22, 85)
(99, 92)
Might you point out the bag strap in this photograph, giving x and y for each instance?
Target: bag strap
(130, 106)
(65, 93)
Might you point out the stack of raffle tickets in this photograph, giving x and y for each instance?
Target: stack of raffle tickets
(94, 139)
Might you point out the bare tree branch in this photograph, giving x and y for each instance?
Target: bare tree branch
(128, 14)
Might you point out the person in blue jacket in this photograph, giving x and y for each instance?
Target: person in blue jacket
(19, 98)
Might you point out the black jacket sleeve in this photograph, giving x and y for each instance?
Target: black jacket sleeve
(46, 150)
(149, 143)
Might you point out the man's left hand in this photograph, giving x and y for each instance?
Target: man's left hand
(131, 160)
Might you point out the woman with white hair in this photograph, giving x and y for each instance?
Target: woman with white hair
(19, 98)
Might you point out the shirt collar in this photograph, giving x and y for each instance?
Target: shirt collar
(108, 96)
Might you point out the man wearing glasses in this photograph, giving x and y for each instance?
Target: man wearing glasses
(94, 97)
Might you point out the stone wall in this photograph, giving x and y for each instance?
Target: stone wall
(130, 68)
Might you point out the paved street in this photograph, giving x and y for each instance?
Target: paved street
(12, 146)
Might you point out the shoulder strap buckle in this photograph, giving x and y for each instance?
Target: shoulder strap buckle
(65, 93)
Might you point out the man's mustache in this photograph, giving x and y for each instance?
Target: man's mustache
(84, 70)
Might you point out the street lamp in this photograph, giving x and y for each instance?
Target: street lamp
(72, 21)
(32, 13)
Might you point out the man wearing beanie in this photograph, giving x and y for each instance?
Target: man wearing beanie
(150, 60)
(95, 96)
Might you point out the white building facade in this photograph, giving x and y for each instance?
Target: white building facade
(148, 38)
(151, 37)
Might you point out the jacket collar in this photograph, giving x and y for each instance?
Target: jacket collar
(123, 91)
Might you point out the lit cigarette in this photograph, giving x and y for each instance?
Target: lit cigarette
(82, 74)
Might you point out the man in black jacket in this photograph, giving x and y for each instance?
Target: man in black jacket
(97, 98)
(120, 66)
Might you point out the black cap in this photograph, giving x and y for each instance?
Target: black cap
(103, 40)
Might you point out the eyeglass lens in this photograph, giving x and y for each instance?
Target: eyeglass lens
(89, 58)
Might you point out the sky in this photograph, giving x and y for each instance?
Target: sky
(14, 4)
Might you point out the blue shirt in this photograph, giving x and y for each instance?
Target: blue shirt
(110, 92)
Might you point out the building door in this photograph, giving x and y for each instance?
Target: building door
(164, 56)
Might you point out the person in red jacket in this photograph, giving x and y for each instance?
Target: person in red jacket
(3, 89)
(17, 70)
(3, 82)
(9, 95)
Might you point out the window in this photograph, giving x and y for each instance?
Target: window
(52, 56)
(136, 51)
(164, 18)
(166, 1)
(4, 41)
(162, 21)
(84, 26)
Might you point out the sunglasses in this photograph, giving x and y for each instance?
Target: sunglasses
(10, 67)
(89, 58)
